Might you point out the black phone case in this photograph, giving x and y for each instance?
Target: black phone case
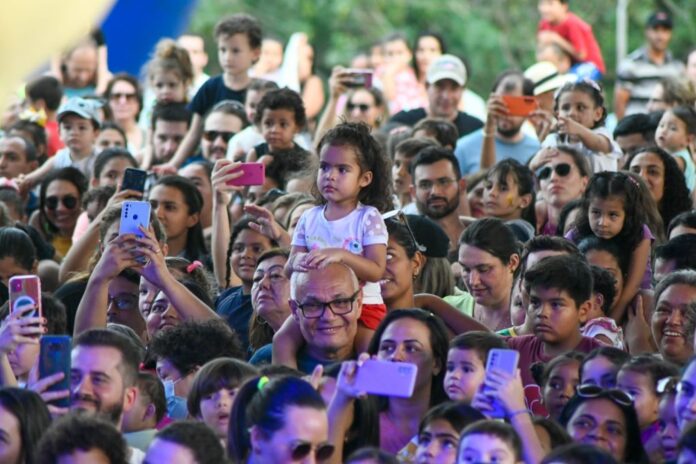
(134, 179)
(55, 357)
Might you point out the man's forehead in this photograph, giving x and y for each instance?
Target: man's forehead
(441, 168)
(104, 357)
(323, 282)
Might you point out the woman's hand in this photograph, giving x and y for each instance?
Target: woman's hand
(264, 223)
(119, 254)
(223, 172)
(345, 385)
(338, 80)
(153, 266)
(19, 328)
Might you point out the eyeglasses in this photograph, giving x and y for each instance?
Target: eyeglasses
(562, 170)
(399, 216)
(614, 394)
(120, 95)
(339, 306)
(429, 184)
(210, 136)
(301, 450)
(123, 303)
(363, 107)
(667, 385)
(69, 201)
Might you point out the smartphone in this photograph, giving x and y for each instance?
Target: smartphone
(254, 174)
(25, 290)
(386, 378)
(359, 78)
(134, 179)
(503, 360)
(134, 214)
(54, 356)
(520, 106)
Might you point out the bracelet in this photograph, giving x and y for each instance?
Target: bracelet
(489, 134)
(517, 413)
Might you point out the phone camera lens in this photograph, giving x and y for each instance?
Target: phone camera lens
(135, 216)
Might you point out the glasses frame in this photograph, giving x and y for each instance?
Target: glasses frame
(226, 135)
(595, 391)
(301, 449)
(49, 200)
(401, 218)
(328, 304)
(541, 175)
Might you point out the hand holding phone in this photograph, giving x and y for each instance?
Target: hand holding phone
(54, 357)
(383, 378)
(504, 360)
(520, 105)
(133, 215)
(253, 174)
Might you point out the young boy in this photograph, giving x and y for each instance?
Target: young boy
(140, 422)
(238, 40)
(44, 94)
(79, 127)
(572, 34)
(466, 363)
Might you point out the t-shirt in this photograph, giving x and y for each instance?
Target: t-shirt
(599, 161)
(465, 124)
(689, 168)
(235, 307)
(63, 159)
(409, 93)
(468, 150)
(580, 35)
(363, 227)
(211, 92)
(391, 438)
(605, 326)
(53, 141)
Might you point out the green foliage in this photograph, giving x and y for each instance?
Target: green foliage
(491, 35)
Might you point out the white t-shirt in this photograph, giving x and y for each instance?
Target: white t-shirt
(362, 227)
(136, 456)
(600, 161)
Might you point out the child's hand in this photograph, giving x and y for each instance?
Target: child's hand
(503, 388)
(320, 258)
(298, 263)
(570, 127)
(18, 328)
(543, 123)
(542, 157)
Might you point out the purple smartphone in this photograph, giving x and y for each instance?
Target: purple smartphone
(386, 378)
(504, 360)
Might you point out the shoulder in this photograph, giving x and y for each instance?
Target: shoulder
(409, 117)
(467, 123)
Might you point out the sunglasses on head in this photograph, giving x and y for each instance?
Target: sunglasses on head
(68, 201)
(399, 216)
(613, 394)
(210, 136)
(562, 170)
(301, 450)
(363, 107)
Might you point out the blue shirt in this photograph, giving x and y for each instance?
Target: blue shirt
(305, 362)
(235, 307)
(213, 91)
(468, 150)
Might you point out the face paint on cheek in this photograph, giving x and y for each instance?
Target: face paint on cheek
(510, 200)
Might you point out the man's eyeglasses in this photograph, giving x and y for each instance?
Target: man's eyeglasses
(442, 182)
(614, 394)
(562, 170)
(210, 136)
(361, 106)
(398, 216)
(301, 450)
(69, 201)
(339, 306)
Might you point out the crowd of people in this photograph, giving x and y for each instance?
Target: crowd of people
(401, 218)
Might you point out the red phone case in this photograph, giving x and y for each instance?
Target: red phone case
(24, 290)
(520, 106)
(254, 174)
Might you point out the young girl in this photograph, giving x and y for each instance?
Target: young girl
(509, 192)
(601, 366)
(675, 134)
(212, 393)
(611, 211)
(353, 173)
(280, 116)
(438, 432)
(579, 108)
(598, 325)
(558, 380)
(638, 378)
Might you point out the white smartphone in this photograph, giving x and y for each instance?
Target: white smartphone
(133, 215)
(386, 378)
(503, 360)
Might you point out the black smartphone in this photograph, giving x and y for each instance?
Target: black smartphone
(134, 179)
(54, 356)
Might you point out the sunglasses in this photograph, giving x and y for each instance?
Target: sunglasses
(562, 170)
(120, 95)
(614, 394)
(362, 106)
(399, 216)
(301, 450)
(667, 385)
(68, 201)
(211, 136)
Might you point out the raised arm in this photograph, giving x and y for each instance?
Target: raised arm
(221, 220)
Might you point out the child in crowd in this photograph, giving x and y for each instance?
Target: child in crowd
(579, 108)
(401, 170)
(401, 88)
(441, 130)
(675, 133)
(490, 441)
(639, 378)
(558, 380)
(611, 212)
(110, 136)
(247, 139)
(44, 94)
(140, 423)
(79, 128)
(602, 365)
(214, 389)
(238, 40)
(438, 432)
(598, 324)
(509, 192)
(466, 363)
(353, 186)
(280, 116)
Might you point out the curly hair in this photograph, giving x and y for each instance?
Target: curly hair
(370, 157)
(282, 99)
(589, 87)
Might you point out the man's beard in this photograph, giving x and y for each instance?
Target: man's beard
(111, 413)
(439, 212)
(509, 132)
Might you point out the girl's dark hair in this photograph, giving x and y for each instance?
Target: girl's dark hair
(546, 243)
(686, 219)
(676, 198)
(603, 185)
(435, 35)
(439, 341)
(614, 355)
(565, 212)
(215, 375)
(31, 414)
(542, 371)
(501, 430)
(241, 225)
(282, 99)
(264, 405)
(106, 125)
(132, 80)
(36, 132)
(594, 243)
(603, 283)
(369, 156)
(195, 244)
(579, 453)
(457, 414)
(589, 87)
(72, 175)
(687, 115)
(557, 434)
(107, 155)
(652, 366)
(372, 453)
(492, 236)
(634, 451)
(17, 244)
(399, 232)
(198, 438)
(525, 183)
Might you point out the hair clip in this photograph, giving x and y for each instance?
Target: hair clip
(193, 266)
(36, 116)
(263, 380)
(592, 84)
